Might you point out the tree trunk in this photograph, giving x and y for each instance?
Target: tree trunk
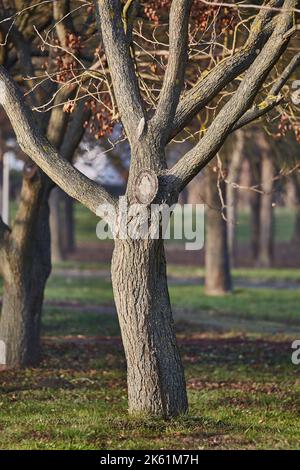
(1, 180)
(254, 199)
(156, 383)
(266, 224)
(68, 226)
(296, 234)
(56, 223)
(255, 223)
(25, 273)
(217, 265)
(235, 165)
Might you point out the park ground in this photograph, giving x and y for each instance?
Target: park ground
(244, 391)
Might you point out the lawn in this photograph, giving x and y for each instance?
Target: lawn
(243, 393)
(243, 389)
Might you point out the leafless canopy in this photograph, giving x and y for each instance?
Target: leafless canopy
(148, 71)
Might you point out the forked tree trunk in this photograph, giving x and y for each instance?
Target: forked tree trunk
(27, 268)
(156, 383)
(217, 265)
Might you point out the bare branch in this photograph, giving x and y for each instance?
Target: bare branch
(59, 119)
(75, 131)
(226, 71)
(249, 6)
(121, 66)
(272, 100)
(38, 148)
(258, 111)
(174, 75)
(63, 20)
(189, 165)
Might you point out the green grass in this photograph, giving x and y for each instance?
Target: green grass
(85, 223)
(243, 393)
(246, 274)
(243, 389)
(284, 224)
(264, 304)
(281, 305)
(84, 290)
(68, 321)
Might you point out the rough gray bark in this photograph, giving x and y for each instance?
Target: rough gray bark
(25, 271)
(217, 265)
(25, 250)
(156, 383)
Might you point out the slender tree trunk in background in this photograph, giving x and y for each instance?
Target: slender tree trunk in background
(156, 383)
(296, 233)
(217, 265)
(255, 209)
(56, 225)
(266, 224)
(62, 225)
(196, 190)
(1, 181)
(235, 165)
(68, 224)
(25, 272)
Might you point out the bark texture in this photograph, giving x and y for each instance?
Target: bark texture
(27, 266)
(156, 383)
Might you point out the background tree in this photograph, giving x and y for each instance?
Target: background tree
(25, 247)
